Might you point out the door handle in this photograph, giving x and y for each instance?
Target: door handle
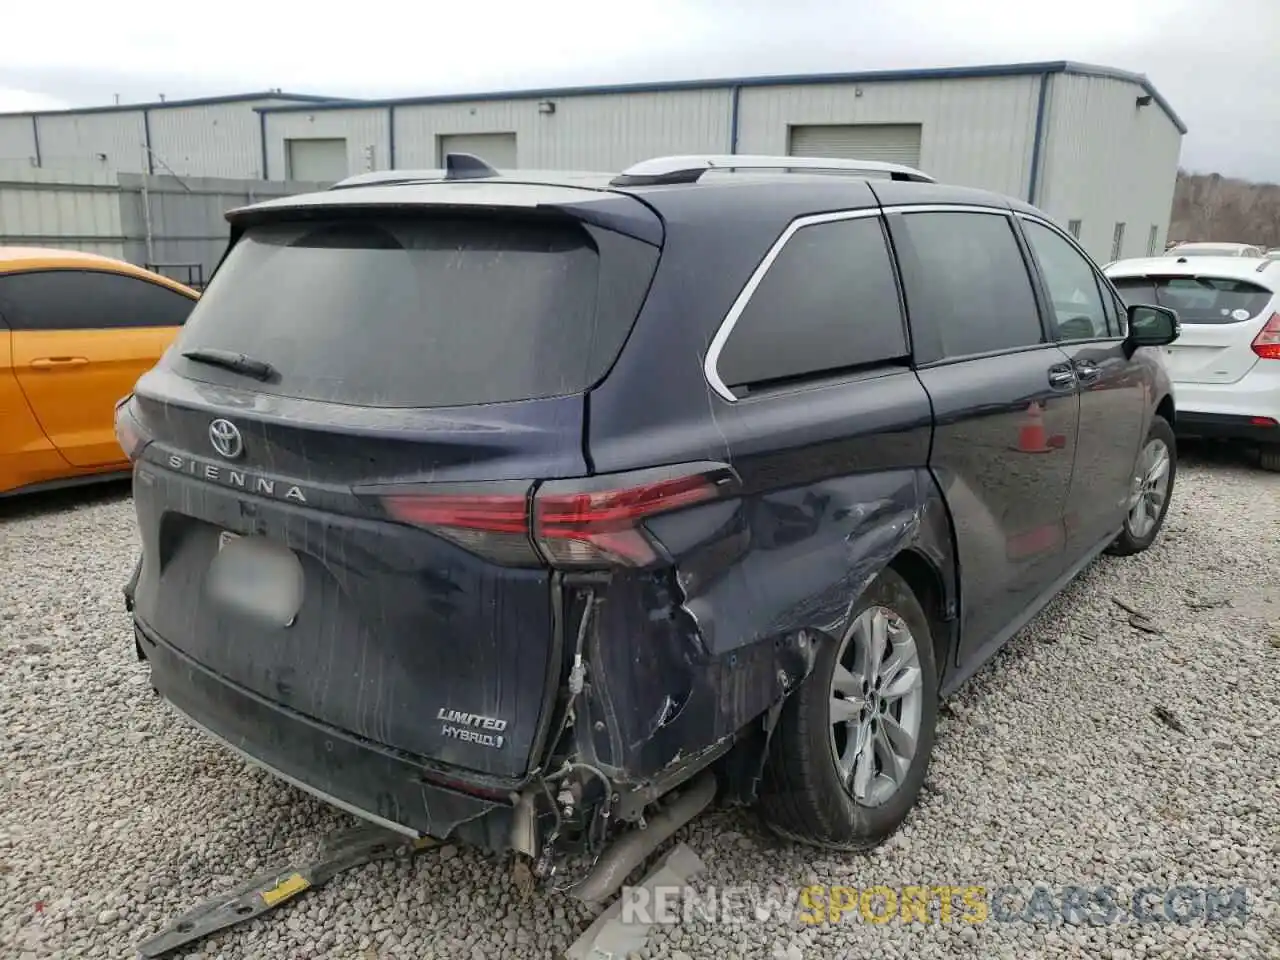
(54, 363)
(1063, 376)
(1086, 371)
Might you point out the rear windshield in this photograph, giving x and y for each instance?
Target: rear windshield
(1198, 299)
(409, 312)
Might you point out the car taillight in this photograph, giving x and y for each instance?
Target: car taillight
(589, 528)
(128, 431)
(494, 525)
(585, 523)
(1267, 343)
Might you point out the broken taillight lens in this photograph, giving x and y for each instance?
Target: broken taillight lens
(1267, 343)
(591, 523)
(128, 431)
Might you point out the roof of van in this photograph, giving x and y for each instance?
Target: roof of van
(530, 189)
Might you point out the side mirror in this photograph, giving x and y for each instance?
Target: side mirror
(1152, 326)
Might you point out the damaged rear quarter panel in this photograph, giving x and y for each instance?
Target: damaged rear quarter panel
(835, 486)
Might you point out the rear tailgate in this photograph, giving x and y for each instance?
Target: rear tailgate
(405, 355)
(1220, 318)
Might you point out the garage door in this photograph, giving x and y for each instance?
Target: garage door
(889, 142)
(320, 160)
(496, 149)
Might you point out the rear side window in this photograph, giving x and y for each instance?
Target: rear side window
(828, 302)
(421, 312)
(88, 300)
(973, 287)
(1198, 299)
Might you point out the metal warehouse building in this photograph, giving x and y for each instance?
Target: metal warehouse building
(207, 137)
(1096, 148)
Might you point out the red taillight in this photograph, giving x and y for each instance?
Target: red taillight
(489, 514)
(128, 431)
(1262, 421)
(1267, 343)
(567, 523)
(493, 525)
(591, 528)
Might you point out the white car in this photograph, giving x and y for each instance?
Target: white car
(1225, 365)
(1207, 249)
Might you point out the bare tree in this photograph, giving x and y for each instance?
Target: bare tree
(1209, 206)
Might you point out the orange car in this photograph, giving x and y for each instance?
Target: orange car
(76, 332)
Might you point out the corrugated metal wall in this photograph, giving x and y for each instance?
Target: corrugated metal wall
(40, 208)
(202, 140)
(975, 132)
(978, 133)
(367, 133)
(1107, 161)
(1103, 160)
(211, 140)
(17, 140)
(93, 141)
(593, 132)
(108, 213)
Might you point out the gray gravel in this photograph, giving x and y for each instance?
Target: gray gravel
(1060, 764)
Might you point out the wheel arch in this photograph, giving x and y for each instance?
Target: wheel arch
(930, 587)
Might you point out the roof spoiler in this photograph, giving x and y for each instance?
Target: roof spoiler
(457, 166)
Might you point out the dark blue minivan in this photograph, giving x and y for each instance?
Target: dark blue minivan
(540, 512)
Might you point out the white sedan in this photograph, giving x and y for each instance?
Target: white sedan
(1225, 365)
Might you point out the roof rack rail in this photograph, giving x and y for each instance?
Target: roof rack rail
(688, 169)
(457, 166)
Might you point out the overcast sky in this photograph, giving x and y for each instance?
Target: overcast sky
(1219, 68)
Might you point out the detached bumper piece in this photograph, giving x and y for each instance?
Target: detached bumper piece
(1223, 426)
(364, 779)
(338, 853)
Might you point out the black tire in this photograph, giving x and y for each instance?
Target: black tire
(1269, 459)
(803, 797)
(1129, 543)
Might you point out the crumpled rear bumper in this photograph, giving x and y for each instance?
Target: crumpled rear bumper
(362, 778)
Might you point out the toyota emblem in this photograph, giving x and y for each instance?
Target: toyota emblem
(226, 439)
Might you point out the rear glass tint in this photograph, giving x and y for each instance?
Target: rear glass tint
(1198, 299)
(414, 312)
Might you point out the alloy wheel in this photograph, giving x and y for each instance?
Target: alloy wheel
(1149, 489)
(876, 705)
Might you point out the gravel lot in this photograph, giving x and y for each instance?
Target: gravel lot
(1053, 766)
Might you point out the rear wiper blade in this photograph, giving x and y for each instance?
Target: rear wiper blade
(237, 362)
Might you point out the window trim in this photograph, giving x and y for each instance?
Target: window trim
(95, 271)
(710, 363)
(1105, 289)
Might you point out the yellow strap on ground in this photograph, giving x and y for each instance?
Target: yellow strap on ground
(288, 887)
